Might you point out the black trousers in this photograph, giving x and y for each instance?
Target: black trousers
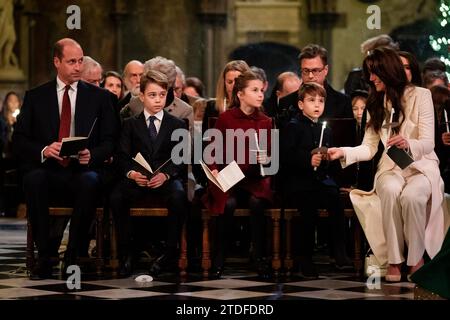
(74, 185)
(223, 228)
(127, 192)
(320, 196)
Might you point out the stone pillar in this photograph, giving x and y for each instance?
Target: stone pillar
(212, 15)
(119, 14)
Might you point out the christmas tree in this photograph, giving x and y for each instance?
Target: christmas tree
(440, 42)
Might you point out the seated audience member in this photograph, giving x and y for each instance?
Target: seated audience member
(359, 99)
(355, 79)
(91, 71)
(131, 77)
(254, 190)
(434, 78)
(149, 133)
(37, 141)
(113, 83)
(224, 90)
(314, 68)
(287, 83)
(309, 184)
(441, 102)
(411, 66)
(194, 87)
(406, 206)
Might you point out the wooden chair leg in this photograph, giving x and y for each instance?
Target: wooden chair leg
(99, 260)
(114, 261)
(30, 246)
(183, 262)
(288, 261)
(276, 261)
(206, 258)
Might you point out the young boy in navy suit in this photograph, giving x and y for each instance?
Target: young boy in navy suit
(150, 134)
(308, 183)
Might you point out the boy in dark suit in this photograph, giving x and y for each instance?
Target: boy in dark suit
(308, 183)
(150, 134)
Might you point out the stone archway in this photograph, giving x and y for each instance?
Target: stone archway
(273, 57)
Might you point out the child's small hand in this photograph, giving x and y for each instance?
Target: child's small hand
(316, 159)
(262, 157)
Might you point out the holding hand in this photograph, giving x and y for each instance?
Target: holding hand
(316, 159)
(398, 141)
(139, 178)
(335, 153)
(262, 157)
(84, 156)
(52, 151)
(157, 180)
(446, 138)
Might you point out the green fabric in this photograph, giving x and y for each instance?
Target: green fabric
(435, 275)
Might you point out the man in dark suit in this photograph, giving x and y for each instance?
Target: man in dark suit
(314, 68)
(149, 133)
(61, 108)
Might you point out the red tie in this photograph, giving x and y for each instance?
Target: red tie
(64, 122)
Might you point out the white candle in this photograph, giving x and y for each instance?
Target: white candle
(321, 134)
(224, 104)
(261, 168)
(446, 120)
(390, 122)
(324, 124)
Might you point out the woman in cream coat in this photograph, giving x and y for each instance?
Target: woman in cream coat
(405, 206)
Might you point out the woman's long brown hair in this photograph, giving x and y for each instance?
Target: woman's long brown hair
(386, 64)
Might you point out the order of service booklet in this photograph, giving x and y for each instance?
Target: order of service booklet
(227, 177)
(400, 157)
(143, 166)
(72, 145)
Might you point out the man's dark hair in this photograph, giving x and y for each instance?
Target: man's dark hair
(313, 50)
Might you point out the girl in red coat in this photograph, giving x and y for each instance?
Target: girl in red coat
(254, 190)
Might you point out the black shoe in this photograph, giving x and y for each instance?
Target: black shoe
(344, 263)
(41, 270)
(216, 272)
(308, 269)
(263, 268)
(162, 263)
(126, 268)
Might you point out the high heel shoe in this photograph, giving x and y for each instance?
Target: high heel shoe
(393, 273)
(393, 277)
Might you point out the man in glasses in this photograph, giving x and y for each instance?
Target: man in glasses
(314, 68)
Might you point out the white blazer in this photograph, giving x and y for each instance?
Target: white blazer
(418, 129)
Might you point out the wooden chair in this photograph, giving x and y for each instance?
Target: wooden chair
(289, 213)
(148, 208)
(273, 213)
(67, 212)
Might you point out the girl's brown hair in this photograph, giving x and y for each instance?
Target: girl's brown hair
(240, 83)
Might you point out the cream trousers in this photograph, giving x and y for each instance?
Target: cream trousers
(404, 196)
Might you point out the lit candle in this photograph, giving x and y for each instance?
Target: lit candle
(261, 168)
(390, 122)
(321, 134)
(224, 104)
(324, 124)
(446, 120)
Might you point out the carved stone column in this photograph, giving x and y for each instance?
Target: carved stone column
(213, 15)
